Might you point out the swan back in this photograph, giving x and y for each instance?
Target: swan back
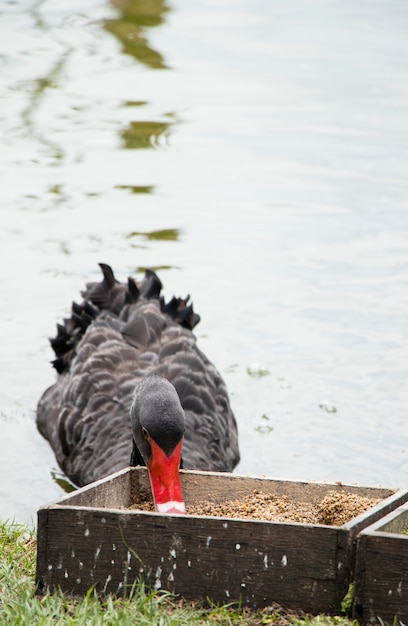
(120, 334)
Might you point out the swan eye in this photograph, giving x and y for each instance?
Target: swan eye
(145, 433)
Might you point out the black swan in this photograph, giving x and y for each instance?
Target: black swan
(125, 351)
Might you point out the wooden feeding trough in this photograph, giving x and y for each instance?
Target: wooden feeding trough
(90, 538)
(381, 580)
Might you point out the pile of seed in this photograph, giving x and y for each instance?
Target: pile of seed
(338, 508)
(335, 509)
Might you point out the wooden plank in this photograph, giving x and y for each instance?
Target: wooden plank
(113, 492)
(89, 537)
(381, 572)
(116, 492)
(381, 579)
(299, 566)
(221, 486)
(378, 512)
(396, 522)
(42, 547)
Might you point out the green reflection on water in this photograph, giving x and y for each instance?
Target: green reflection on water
(142, 135)
(166, 234)
(156, 268)
(327, 407)
(137, 188)
(135, 103)
(37, 89)
(264, 427)
(134, 17)
(257, 372)
(62, 481)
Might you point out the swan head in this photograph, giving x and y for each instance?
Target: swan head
(157, 419)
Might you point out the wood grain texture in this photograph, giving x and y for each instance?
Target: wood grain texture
(381, 576)
(88, 538)
(225, 560)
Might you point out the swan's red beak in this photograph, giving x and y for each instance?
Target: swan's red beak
(165, 479)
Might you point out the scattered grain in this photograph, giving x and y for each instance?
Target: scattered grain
(335, 509)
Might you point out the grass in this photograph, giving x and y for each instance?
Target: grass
(20, 606)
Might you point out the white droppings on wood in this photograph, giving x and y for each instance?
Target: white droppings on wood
(87, 532)
(72, 554)
(49, 567)
(225, 525)
(80, 565)
(66, 573)
(265, 562)
(173, 553)
(107, 581)
(103, 520)
(188, 563)
(399, 588)
(157, 582)
(237, 546)
(208, 541)
(284, 561)
(97, 552)
(170, 577)
(78, 581)
(227, 593)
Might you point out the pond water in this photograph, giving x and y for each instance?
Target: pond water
(257, 155)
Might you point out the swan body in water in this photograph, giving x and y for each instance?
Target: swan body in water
(134, 388)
